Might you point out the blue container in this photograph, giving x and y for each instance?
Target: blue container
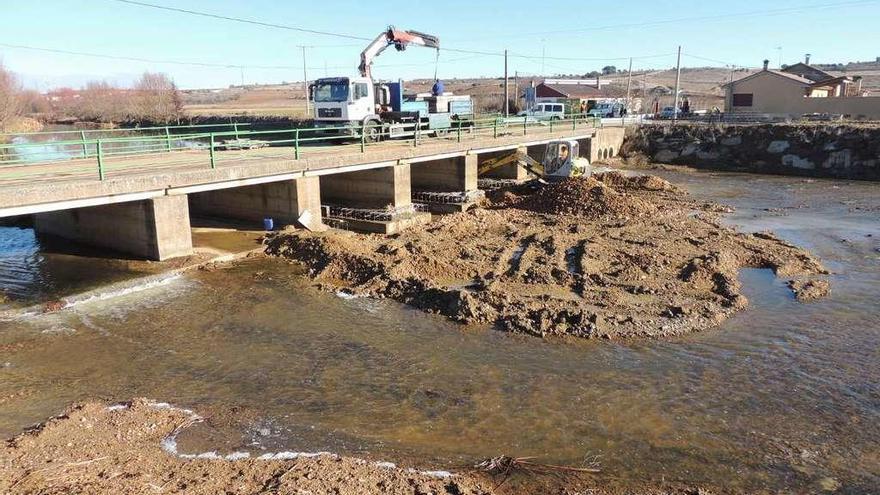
(268, 224)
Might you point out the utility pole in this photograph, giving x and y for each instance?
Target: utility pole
(242, 76)
(506, 88)
(543, 53)
(677, 84)
(629, 80)
(306, 83)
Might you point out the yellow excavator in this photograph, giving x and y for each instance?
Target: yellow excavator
(561, 160)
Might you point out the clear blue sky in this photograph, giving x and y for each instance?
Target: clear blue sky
(846, 31)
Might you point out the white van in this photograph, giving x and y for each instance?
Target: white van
(545, 111)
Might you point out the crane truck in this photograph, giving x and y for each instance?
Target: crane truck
(351, 105)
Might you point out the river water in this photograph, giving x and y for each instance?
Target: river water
(784, 396)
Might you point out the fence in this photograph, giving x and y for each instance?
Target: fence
(193, 146)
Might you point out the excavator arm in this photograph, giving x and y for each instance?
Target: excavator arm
(400, 39)
(525, 161)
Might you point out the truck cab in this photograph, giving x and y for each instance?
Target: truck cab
(343, 101)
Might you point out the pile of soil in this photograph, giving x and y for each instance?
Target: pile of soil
(607, 256)
(809, 290)
(587, 198)
(93, 448)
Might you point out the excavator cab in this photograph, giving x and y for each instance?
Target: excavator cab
(561, 159)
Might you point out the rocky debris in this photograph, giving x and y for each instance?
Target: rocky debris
(641, 182)
(93, 448)
(576, 258)
(809, 290)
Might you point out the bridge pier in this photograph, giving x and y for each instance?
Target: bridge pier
(156, 229)
(284, 201)
(447, 175)
(376, 200)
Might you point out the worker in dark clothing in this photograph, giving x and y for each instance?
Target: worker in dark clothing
(437, 89)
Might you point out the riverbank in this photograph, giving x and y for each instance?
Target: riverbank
(610, 257)
(843, 151)
(131, 448)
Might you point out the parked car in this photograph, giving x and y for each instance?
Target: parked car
(668, 113)
(545, 111)
(607, 109)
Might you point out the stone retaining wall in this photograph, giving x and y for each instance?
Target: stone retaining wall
(840, 151)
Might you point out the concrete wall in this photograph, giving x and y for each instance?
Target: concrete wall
(606, 144)
(283, 201)
(447, 175)
(155, 229)
(840, 151)
(375, 188)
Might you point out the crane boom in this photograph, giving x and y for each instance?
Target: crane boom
(400, 39)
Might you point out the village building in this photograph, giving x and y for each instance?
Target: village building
(800, 90)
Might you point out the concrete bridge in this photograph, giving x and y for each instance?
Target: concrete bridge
(140, 203)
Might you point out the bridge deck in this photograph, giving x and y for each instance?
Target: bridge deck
(34, 187)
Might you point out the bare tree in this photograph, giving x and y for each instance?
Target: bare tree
(103, 102)
(156, 98)
(10, 104)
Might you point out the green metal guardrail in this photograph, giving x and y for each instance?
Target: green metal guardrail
(105, 150)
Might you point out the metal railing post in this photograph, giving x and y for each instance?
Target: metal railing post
(100, 154)
(363, 136)
(235, 128)
(574, 121)
(495, 128)
(551, 126)
(416, 134)
(213, 162)
(84, 145)
(296, 144)
(167, 139)
(525, 125)
(459, 131)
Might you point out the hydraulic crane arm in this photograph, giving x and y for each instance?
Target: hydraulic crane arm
(400, 39)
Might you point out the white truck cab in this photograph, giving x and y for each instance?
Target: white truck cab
(344, 101)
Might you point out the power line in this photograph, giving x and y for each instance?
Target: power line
(240, 19)
(208, 64)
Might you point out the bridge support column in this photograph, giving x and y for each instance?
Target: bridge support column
(285, 202)
(156, 229)
(507, 172)
(376, 200)
(455, 179)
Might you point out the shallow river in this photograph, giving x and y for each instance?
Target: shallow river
(784, 395)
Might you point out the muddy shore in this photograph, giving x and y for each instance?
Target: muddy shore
(131, 448)
(610, 256)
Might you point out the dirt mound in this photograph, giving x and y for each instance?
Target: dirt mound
(575, 258)
(639, 182)
(809, 290)
(587, 198)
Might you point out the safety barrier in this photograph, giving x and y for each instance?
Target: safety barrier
(191, 145)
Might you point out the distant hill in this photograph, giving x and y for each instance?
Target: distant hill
(702, 85)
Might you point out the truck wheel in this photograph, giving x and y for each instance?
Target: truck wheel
(372, 131)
